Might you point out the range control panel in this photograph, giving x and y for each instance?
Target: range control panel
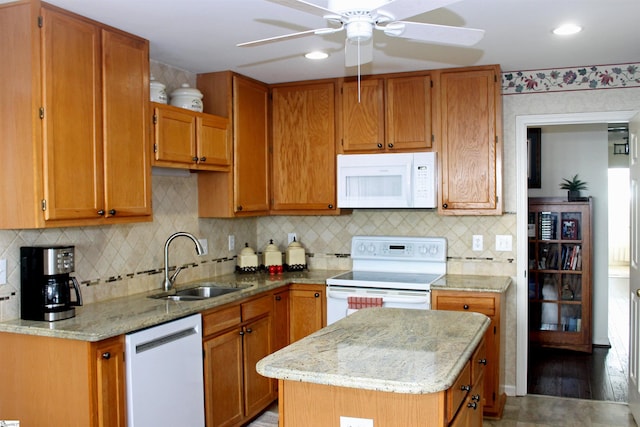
(399, 248)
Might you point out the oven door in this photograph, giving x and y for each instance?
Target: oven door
(338, 305)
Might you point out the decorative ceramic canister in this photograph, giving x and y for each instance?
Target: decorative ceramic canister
(247, 260)
(295, 257)
(272, 258)
(187, 97)
(158, 91)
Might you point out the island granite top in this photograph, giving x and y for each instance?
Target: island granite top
(383, 349)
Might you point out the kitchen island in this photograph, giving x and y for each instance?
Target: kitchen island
(395, 367)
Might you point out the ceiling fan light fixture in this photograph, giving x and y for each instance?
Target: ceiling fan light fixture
(567, 29)
(359, 30)
(316, 55)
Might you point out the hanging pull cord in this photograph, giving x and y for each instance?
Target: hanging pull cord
(358, 70)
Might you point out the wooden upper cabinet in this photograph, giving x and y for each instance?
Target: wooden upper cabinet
(303, 170)
(244, 191)
(77, 93)
(469, 137)
(187, 139)
(393, 114)
(362, 115)
(72, 118)
(409, 113)
(125, 82)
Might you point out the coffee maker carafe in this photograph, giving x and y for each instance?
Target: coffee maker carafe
(45, 283)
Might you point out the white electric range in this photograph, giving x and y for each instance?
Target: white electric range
(391, 271)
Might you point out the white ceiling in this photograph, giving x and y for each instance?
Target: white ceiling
(200, 36)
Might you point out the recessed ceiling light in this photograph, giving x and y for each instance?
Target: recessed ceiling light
(316, 55)
(567, 29)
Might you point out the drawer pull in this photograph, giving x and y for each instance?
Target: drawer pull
(475, 398)
(317, 295)
(473, 405)
(466, 307)
(249, 330)
(106, 355)
(483, 362)
(465, 387)
(278, 297)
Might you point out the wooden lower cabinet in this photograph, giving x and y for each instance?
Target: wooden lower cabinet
(307, 310)
(62, 382)
(490, 304)
(235, 338)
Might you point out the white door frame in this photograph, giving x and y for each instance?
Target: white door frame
(522, 294)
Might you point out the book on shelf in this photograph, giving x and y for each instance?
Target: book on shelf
(570, 229)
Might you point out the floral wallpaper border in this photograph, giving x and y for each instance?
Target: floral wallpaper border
(569, 79)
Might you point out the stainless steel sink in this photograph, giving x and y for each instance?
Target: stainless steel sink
(195, 294)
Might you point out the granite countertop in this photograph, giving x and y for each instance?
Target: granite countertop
(383, 349)
(472, 283)
(101, 320)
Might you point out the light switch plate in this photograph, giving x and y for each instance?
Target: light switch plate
(205, 246)
(476, 242)
(232, 242)
(504, 242)
(3, 271)
(355, 422)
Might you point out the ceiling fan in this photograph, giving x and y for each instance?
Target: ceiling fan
(360, 17)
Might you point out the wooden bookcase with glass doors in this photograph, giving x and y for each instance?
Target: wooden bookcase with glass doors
(560, 289)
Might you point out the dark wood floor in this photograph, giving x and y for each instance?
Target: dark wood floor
(601, 375)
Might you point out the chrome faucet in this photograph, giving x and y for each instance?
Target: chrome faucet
(168, 281)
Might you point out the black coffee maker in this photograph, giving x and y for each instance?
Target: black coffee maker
(45, 283)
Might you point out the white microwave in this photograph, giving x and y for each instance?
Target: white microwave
(394, 180)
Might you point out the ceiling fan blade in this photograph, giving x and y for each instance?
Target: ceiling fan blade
(319, 31)
(304, 6)
(433, 33)
(353, 57)
(401, 9)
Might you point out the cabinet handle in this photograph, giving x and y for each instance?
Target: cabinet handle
(638, 292)
(390, 145)
(278, 297)
(465, 387)
(475, 398)
(473, 405)
(112, 212)
(106, 355)
(379, 145)
(445, 206)
(203, 159)
(241, 333)
(194, 158)
(483, 362)
(317, 295)
(101, 212)
(249, 330)
(330, 206)
(239, 208)
(466, 307)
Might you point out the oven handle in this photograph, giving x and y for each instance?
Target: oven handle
(410, 299)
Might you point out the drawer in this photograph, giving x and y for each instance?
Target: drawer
(478, 362)
(458, 391)
(257, 307)
(476, 304)
(219, 320)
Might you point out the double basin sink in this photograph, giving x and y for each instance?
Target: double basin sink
(195, 294)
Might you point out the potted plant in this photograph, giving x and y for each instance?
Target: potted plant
(573, 187)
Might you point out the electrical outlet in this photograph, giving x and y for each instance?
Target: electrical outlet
(3, 271)
(476, 242)
(504, 242)
(291, 237)
(205, 246)
(232, 242)
(355, 422)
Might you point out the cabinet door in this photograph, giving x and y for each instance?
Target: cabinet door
(174, 137)
(259, 391)
(213, 142)
(304, 157)
(470, 144)
(363, 116)
(127, 164)
(73, 154)
(223, 379)
(110, 382)
(409, 113)
(307, 310)
(251, 189)
(280, 319)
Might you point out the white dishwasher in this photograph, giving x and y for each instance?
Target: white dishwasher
(165, 375)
